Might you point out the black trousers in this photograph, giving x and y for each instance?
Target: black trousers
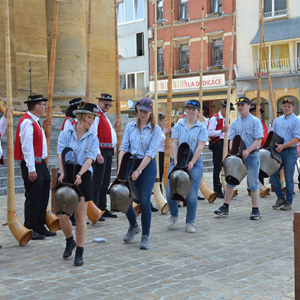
(36, 196)
(217, 161)
(101, 178)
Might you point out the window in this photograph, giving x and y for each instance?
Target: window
(183, 9)
(298, 56)
(216, 6)
(278, 56)
(160, 10)
(131, 45)
(132, 80)
(140, 44)
(184, 57)
(160, 59)
(274, 8)
(217, 53)
(130, 10)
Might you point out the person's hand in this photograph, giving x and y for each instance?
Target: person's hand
(245, 153)
(279, 147)
(116, 122)
(78, 179)
(61, 177)
(224, 129)
(190, 166)
(167, 130)
(5, 112)
(175, 162)
(32, 176)
(135, 175)
(100, 159)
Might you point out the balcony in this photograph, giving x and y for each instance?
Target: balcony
(276, 14)
(133, 94)
(277, 67)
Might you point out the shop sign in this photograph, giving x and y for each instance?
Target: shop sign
(190, 83)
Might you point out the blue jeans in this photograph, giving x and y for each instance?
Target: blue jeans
(144, 184)
(192, 198)
(289, 158)
(253, 164)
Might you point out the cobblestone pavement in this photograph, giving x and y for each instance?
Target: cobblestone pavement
(227, 258)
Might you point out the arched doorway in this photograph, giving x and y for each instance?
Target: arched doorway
(280, 105)
(264, 104)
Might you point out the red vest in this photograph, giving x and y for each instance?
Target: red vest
(104, 132)
(265, 129)
(37, 140)
(71, 119)
(218, 127)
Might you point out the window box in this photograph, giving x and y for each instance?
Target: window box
(184, 20)
(160, 73)
(217, 67)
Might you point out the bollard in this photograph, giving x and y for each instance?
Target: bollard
(297, 253)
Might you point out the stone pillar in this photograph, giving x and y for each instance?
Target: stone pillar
(70, 66)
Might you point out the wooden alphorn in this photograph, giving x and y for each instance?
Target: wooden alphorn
(21, 233)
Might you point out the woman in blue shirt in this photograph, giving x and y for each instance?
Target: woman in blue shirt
(85, 144)
(141, 138)
(189, 130)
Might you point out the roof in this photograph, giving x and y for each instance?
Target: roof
(279, 30)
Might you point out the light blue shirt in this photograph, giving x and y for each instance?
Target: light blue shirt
(287, 127)
(143, 143)
(86, 147)
(249, 128)
(198, 132)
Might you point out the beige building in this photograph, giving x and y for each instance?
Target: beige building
(31, 26)
(282, 35)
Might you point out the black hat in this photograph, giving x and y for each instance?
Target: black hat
(194, 103)
(242, 100)
(224, 104)
(280, 112)
(86, 108)
(253, 107)
(74, 102)
(35, 98)
(145, 104)
(106, 97)
(288, 100)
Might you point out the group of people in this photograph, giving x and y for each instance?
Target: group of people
(89, 132)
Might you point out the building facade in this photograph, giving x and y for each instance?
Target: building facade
(133, 49)
(218, 19)
(282, 38)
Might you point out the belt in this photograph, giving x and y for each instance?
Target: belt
(252, 152)
(141, 159)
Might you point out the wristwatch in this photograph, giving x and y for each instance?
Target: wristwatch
(79, 174)
(140, 171)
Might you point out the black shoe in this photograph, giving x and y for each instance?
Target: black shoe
(255, 214)
(222, 211)
(220, 195)
(46, 232)
(78, 257)
(101, 219)
(73, 223)
(201, 198)
(109, 214)
(37, 236)
(70, 246)
(153, 209)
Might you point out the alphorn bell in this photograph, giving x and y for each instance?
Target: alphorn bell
(264, 191)
(282, 179)
(21, 233)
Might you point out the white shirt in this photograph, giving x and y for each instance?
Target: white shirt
(94, 128)
(3, 126)
(68, 123)
(212, 132)
(26, 137)
(162, 144)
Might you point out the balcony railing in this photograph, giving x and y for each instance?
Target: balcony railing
(276, 14)
(277, 66)
(133, 94)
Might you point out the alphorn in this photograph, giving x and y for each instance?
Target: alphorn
(264, 191)
(93, 212)
(282, 180)
(158, 196)
(52, 221)
(21, 233)
(207, 192)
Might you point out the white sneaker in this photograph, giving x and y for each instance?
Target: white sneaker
(172, 222)
(190, 227)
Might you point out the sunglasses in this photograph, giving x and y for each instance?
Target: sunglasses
(242, 100)
(108, 105)
(194, 103)
(288, 100)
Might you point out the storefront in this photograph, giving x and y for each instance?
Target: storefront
(184, 89)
